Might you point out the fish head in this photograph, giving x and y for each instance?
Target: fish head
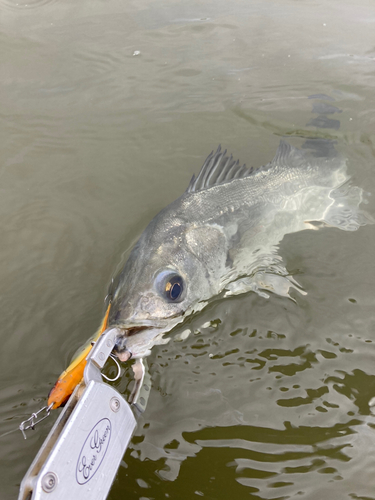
(165, 277)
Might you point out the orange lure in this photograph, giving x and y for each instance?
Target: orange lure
(73, 375)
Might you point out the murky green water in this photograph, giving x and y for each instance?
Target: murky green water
(107, 109)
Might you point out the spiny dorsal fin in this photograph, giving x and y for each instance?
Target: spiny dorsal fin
(220, 169)
(217, 169)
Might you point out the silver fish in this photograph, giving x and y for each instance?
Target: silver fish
(221, 237)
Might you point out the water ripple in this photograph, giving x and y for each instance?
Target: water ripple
(24, 5)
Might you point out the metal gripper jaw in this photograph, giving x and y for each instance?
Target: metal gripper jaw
(81, 454)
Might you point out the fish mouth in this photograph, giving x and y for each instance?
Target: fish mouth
(122, 352)
(133, 330)
(131, 324)
(136, 340)
(131, 339)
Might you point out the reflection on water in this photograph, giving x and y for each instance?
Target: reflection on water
(253, 397)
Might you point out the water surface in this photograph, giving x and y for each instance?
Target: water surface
(108, 108)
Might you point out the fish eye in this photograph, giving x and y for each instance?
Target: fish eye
(170, 286)
(173, 288)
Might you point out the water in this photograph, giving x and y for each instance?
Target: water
(107, 111)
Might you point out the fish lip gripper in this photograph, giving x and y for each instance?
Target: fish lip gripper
(82, 452)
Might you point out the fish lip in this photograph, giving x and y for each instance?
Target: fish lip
(147, 324)
(128, 325)
(125, 351)
(130, 329)
(129, 332)
(125, 333)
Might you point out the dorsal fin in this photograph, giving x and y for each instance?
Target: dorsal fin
(220, 169)
(217, 169)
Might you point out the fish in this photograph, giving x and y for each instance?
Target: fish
(220, 238)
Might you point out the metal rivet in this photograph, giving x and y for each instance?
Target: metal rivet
(109, 343)
(142, 401)
(101, 356)
(49, 482)
(114, 404)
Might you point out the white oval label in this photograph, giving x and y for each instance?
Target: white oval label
(93, 451)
